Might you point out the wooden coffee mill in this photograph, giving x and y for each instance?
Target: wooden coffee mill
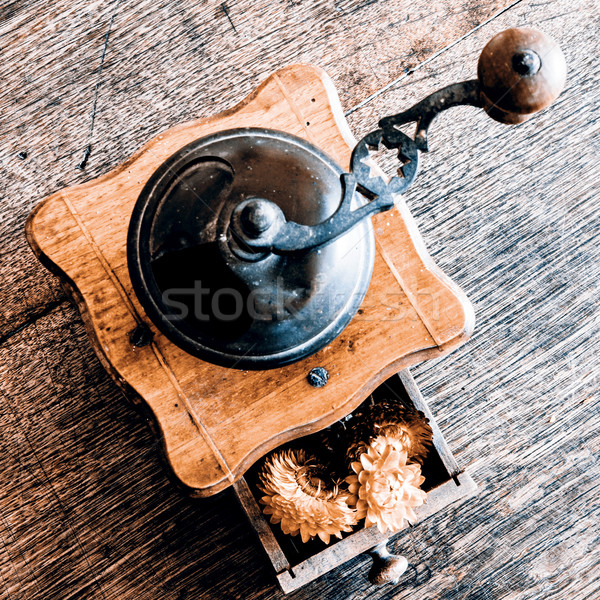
(253, 277)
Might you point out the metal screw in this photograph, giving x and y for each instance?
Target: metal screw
(258, 216)
(318, 377)
(141, 336)
(526, 63)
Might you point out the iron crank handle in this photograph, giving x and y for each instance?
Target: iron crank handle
(520, 71)
(259, 225)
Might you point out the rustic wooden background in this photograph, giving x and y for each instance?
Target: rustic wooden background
(86, 508)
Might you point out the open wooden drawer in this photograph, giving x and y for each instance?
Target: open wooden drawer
(296, 564)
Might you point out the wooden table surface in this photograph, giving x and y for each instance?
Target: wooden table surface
(86, 508)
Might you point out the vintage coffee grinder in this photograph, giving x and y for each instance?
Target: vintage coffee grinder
(254, 277)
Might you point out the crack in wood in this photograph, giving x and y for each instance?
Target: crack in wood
(429, 59)
(224, 9)
(88, 149)
(31, 320)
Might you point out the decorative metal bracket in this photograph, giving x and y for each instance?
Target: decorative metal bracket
(260, 224)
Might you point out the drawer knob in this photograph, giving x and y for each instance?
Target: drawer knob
(387, 567)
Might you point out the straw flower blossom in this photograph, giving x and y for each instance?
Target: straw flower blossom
(300, 497)
(383, 448)
(384, 487)
(395, 424)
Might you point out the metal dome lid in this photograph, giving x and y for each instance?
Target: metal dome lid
(195, 268)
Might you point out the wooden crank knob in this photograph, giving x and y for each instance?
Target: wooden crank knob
(520, 72)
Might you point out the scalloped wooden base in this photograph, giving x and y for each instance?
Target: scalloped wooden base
(215, 422)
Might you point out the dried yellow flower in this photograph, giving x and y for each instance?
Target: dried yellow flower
(402, 426)
(414, 439)
(384, 488)
(300, 497)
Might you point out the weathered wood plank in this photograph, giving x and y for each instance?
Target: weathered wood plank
(168, 63)
(510, 214)
(86, 506)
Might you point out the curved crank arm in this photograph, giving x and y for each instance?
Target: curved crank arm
(260, 225)
(423, 112)
(283, 236)
(520, 71)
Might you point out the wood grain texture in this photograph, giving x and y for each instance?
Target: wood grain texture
(511, 214)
